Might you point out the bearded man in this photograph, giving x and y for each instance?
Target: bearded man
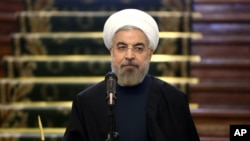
(147, 108)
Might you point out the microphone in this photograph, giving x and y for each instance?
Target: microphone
(111, 80)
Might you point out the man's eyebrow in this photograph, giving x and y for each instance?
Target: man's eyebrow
(121, 43)
(139, 44)
(136, 44)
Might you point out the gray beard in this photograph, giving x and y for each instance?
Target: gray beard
(130, 77)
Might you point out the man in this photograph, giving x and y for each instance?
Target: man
(146, 109)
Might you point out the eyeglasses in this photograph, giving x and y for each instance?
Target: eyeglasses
(136, 49)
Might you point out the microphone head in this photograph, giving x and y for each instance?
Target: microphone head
(110, 75)
(111, 80)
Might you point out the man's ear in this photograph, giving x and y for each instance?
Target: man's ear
(151, 51)
(111, 51)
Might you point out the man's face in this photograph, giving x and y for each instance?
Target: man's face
(131, 56)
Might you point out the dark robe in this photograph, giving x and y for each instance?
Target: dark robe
(168, 117)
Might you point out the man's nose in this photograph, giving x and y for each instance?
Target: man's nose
(130, 54)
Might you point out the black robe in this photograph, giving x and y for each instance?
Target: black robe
(168, 117)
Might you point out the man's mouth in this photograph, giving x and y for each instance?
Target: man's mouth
(130, 66)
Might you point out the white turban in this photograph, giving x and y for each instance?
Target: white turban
(132, 17)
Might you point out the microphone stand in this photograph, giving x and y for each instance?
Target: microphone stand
(112, 135)
(111, 99)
